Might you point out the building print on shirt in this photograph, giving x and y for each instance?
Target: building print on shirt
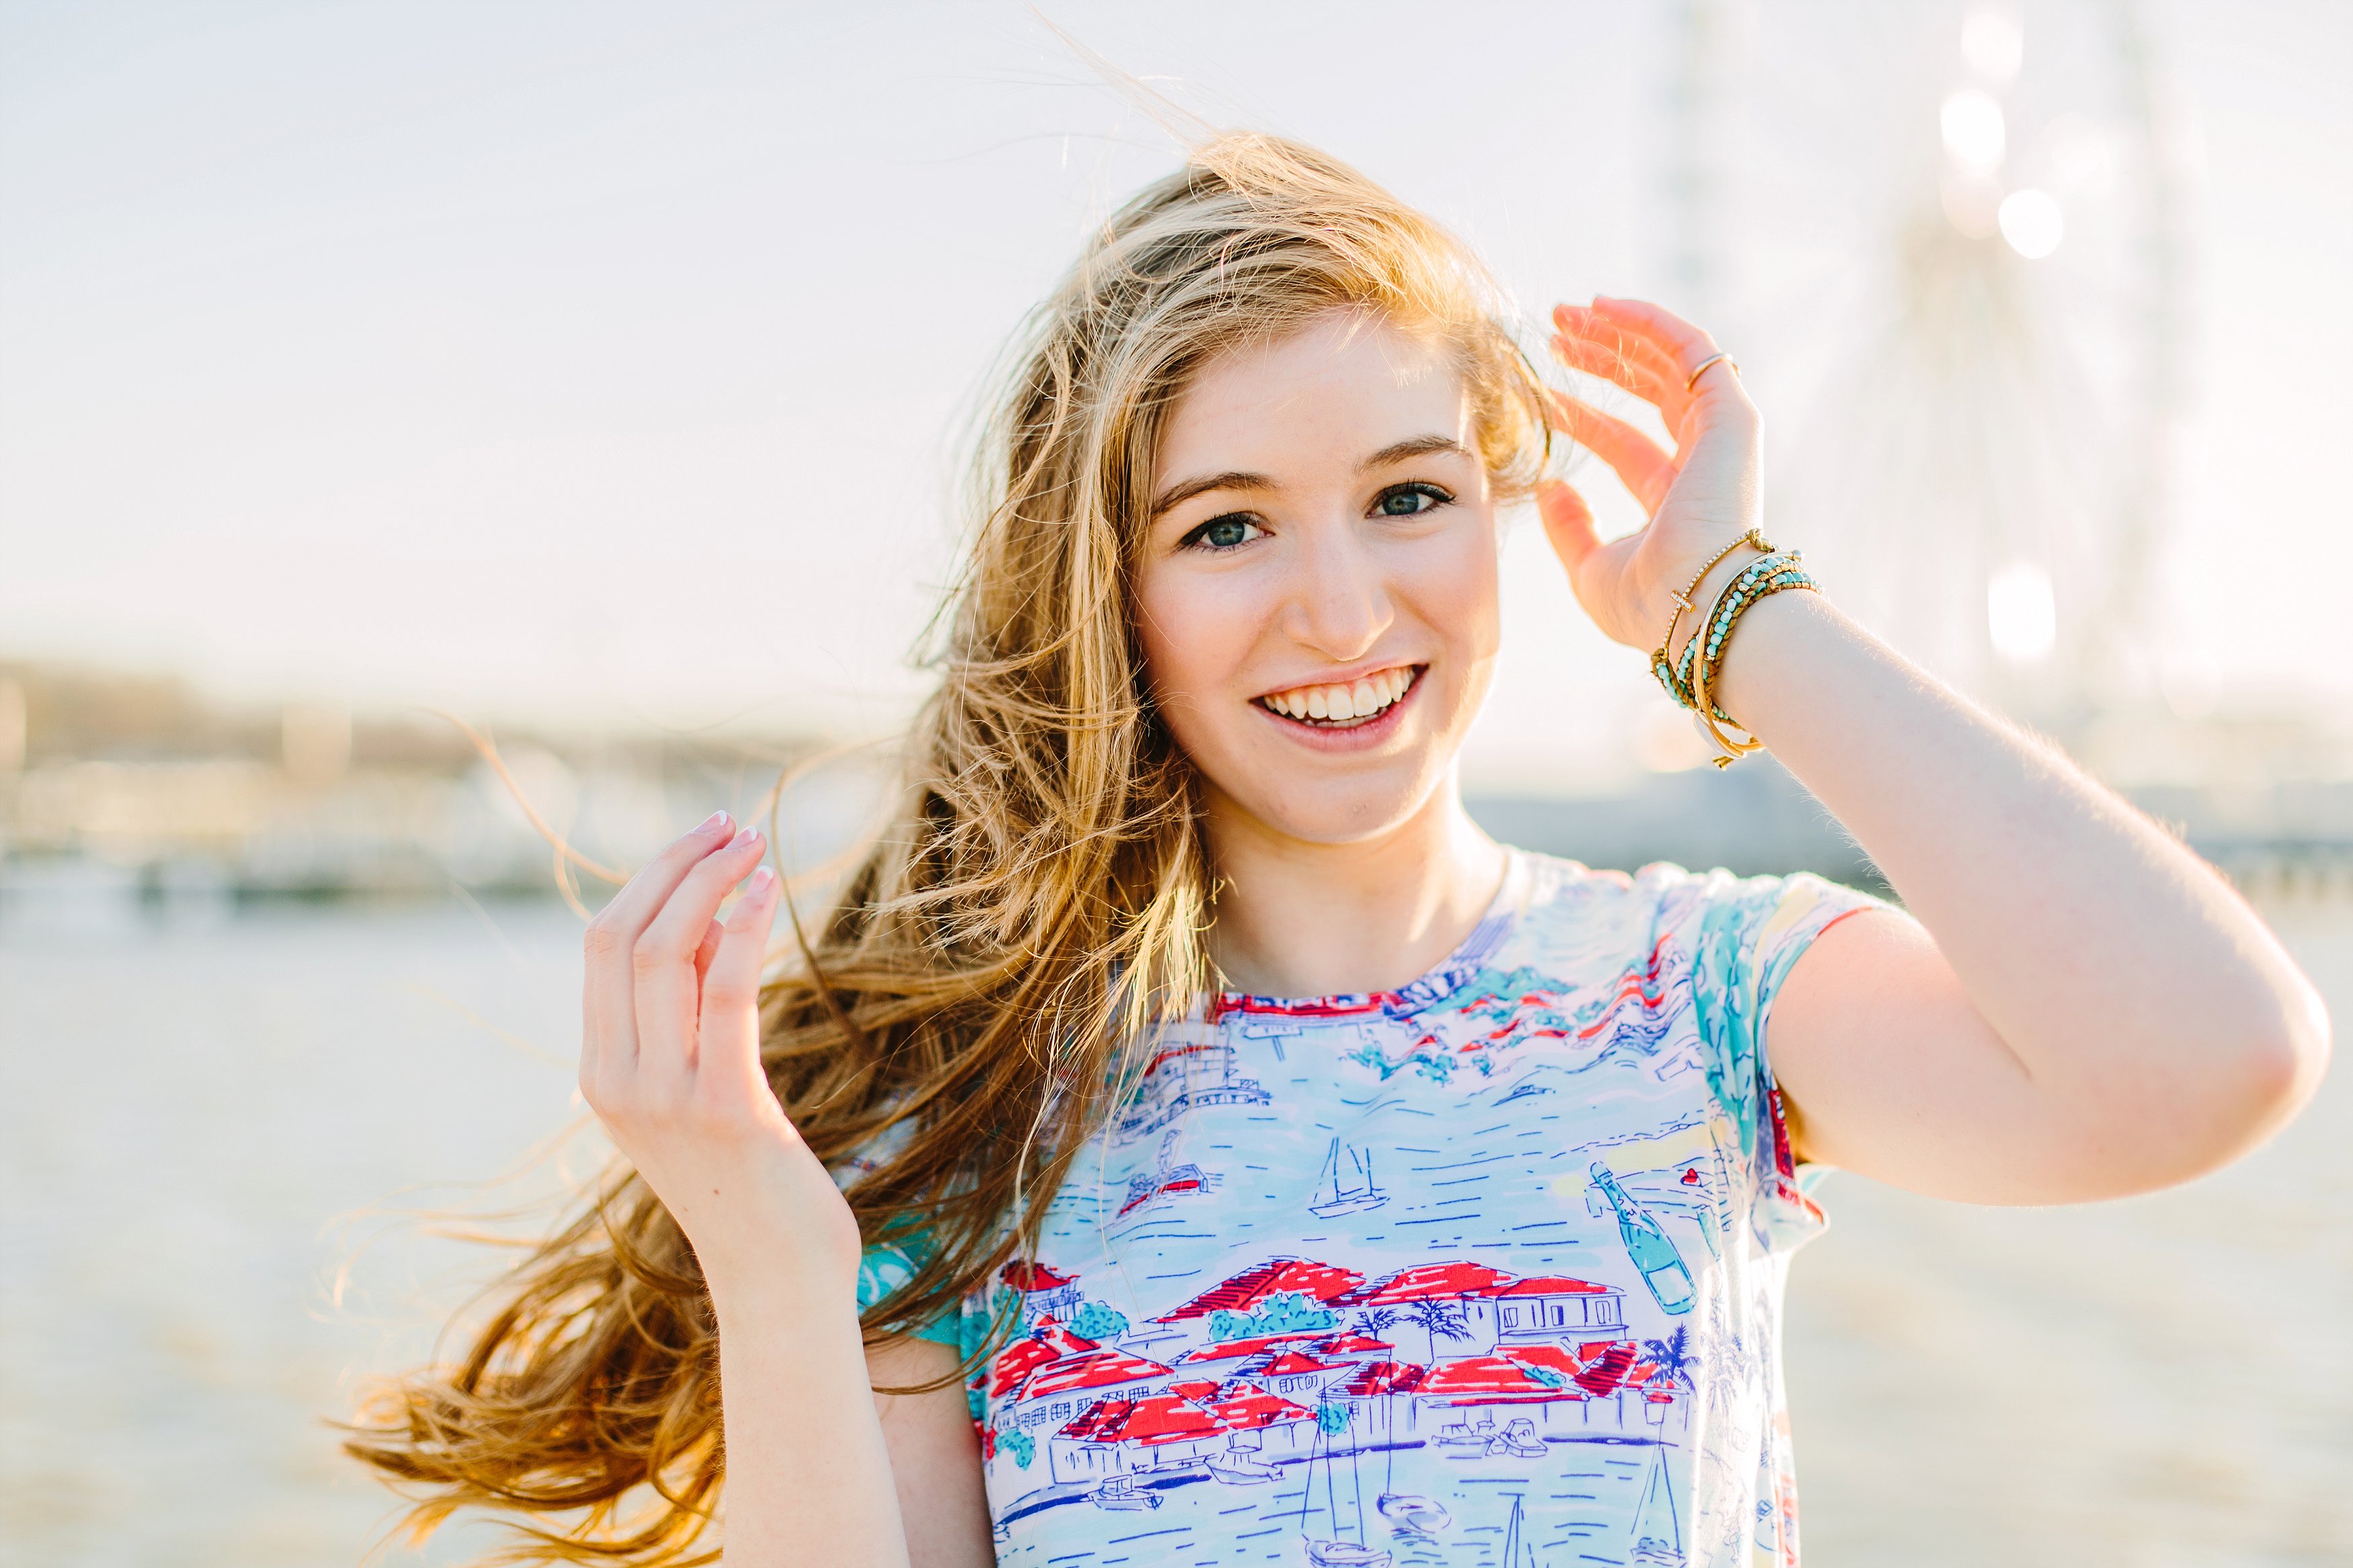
(1408, 1277)
(1296, 1360)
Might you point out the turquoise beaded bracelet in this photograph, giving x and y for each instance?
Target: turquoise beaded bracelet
(1738, 595)
(1722, 618)
(1716, 627)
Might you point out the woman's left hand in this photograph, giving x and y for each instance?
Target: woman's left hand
(1701, 497)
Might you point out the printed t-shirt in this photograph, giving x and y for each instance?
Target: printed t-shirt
(1484, 1270)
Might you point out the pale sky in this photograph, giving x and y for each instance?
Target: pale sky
(596, 359)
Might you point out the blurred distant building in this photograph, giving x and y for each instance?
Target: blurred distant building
(118, 786)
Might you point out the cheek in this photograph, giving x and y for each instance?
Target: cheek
(1194, 633)
(1458, 591)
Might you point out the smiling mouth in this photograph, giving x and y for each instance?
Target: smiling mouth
(1344, 706)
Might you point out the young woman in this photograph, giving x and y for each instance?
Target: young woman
(1215, 1146)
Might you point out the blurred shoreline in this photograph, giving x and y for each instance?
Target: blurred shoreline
(127, 797)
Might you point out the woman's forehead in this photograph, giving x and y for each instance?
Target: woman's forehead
(1345, 381)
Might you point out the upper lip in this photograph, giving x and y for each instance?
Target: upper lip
(1347, 676)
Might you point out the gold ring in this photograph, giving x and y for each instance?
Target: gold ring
(1698, 370)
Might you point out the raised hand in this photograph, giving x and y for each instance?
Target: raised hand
(670, 1063)
(1701, 497)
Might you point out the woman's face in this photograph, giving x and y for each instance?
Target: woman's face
(1317, 591)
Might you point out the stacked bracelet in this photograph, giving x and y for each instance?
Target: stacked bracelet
(1659, 664)
(1703, 655)
(1726, 615)
(1690, 678)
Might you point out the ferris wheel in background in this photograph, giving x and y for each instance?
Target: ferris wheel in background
(1956, 240)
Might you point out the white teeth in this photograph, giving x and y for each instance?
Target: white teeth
(1336, 704)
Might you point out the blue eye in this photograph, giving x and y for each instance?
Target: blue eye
(1409, 501)
(1224, 532)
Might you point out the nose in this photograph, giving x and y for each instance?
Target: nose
(1339, 598)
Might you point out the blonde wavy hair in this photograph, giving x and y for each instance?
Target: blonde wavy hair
(1037, 904)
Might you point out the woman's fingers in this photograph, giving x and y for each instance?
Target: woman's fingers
(1568, 523)
(1684, 343)
(641, 899)
(1606, 361)
(1636, 348)
(609, 1002)
(662, 964)
(708, 951)
(1639, 461)
(729, 1045)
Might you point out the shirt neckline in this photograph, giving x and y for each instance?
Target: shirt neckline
(1494, 927)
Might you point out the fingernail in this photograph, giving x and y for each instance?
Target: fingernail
(712, 823)
(761, 881)
(742, 838)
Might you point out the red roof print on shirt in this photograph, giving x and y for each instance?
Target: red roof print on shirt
(1492, 1379)
(1245, 1407)
(1231, 1348)
(1290, 1363)
(1607, 1372)
(1028, 1277)
(1551, 1285)
(1049, 1341)
(1247, 1289)
(1378, 1377)
(1530, 1373)
(1161, 1418)
(1429, 1280)
(1096, 1369)
(1464, 1280)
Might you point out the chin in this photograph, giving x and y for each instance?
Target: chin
(1343, 809)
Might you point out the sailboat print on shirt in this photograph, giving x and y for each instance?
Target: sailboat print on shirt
(1336, 1551)
(1169, 1178)
(1657, 1538)
(1347, 1185)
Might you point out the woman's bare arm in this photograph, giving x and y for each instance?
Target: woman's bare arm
(934, 1456)
(2076, 1005)
(670, 1063)
(811, 1481)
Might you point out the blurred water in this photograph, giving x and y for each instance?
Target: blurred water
(193, 1114)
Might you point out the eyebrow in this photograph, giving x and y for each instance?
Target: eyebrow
(1413, 447)
(1177, 494)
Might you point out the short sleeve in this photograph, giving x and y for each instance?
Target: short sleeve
(886, 1266)
(1749, 934)
(889, 1263)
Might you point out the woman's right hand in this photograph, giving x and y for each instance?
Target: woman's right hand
(670, 1063)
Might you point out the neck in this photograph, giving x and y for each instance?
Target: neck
(1300, 919)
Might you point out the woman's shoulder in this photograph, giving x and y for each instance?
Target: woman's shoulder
(1663, 895)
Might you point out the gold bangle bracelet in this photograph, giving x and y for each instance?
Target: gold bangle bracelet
(1754, 536)
(1701, 704)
